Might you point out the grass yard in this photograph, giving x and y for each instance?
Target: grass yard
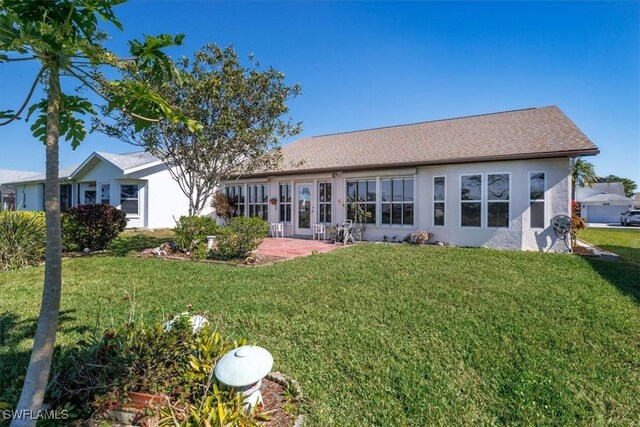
(624, 242)
(386, 334)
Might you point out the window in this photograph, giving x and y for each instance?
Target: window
(361, 201)
(88, 193)
(471, 201)
(536, 199)
(105, 194)
(258, 200)
(65, 197)
(438, 200)
(498, 200)
(235, 193)
(324, 202)
(129, 198)
(397, 201)
(285, 202)
(8, 199)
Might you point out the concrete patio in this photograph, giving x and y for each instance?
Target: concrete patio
(288, 248)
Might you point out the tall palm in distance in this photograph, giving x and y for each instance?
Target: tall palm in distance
(583, 174)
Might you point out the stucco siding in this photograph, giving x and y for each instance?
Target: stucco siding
(165, 200)
(517, 236)
(29, 197)
(159, 196)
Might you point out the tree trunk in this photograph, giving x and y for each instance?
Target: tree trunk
(37, 377)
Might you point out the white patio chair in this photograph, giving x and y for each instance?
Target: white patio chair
(318, 229)
(276, 227)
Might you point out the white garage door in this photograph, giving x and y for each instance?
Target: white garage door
(604, 213)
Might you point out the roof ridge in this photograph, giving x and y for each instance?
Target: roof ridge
(122, 154)
(432, 121)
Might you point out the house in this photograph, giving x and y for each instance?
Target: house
(493, 180)
(636, 201)
(137, 183)
(7, 192)
(603, 202)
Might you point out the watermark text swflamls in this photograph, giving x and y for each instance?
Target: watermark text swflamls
(27, 414)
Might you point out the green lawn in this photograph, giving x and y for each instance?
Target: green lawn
(624, 242)
(387, 334)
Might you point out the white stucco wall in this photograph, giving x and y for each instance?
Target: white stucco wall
(160, 197)
(29, 197)
(518, 236)
(165, 200)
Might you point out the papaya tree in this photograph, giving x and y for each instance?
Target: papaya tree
(64, 38)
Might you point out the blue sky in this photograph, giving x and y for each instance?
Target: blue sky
(370, 64)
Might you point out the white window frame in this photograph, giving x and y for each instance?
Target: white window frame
(285, 203)
(245, 195)
(129, 215)
(487, 201)
(544, 200)
(330, 203)
(481, 201)
(247, 199)
(376, 203)
(379, 201)
(434, 201)
(100, 189)
(484, 201)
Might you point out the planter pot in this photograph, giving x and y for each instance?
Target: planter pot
(140, 409)
(144, 400)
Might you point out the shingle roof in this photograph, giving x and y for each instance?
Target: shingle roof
(602, 192)
(123, 161)
(603, 197)
(12, 175)
(63, 173)
(128, 160)
(529, 133)
(609, 188)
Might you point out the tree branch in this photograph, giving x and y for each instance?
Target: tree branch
(26, 101)
(99, 93)
(26, 58)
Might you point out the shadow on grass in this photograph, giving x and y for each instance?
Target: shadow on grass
(125, 245)
(13, 362)
(627, 253)
(14, 330)
(624, 275)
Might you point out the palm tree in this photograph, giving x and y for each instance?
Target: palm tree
(583, 174)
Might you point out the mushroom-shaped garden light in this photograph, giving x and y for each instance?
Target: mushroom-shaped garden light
(243, 369)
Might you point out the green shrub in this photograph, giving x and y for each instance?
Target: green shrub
(255, 228)
(70, 229)
(240, 237)
(229, 247)
(22, 239)
(192, 231)
(176, 362)
(91, 226)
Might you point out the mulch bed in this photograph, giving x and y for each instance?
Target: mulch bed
(275, 405)
(169, 251)
(582, 251)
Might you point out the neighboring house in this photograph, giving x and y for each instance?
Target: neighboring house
(137, 183)
(493, 180)
(7, 192)
(603, 202)
(636, 201)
